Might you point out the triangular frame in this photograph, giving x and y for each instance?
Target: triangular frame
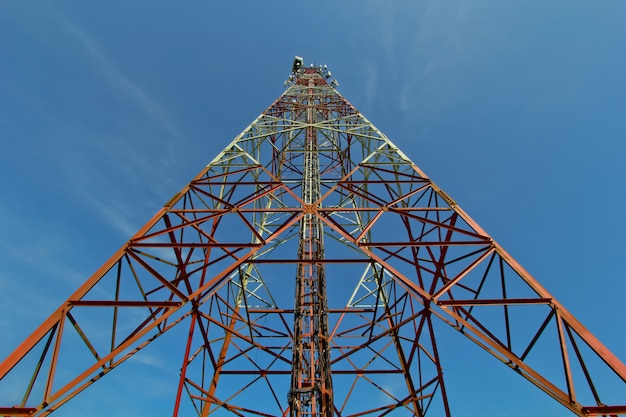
(400, 255)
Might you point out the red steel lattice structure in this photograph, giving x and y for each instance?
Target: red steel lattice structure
(310, 199)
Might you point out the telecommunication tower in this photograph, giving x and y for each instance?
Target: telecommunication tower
(309, 262)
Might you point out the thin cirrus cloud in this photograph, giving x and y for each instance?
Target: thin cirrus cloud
(125, 164)
(122, 83)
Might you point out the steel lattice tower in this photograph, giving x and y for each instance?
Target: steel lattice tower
(310, 200)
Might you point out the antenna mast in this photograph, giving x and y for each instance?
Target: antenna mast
(311, 383)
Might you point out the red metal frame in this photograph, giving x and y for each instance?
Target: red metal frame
(399, 257)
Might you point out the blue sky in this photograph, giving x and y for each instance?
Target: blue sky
(517, 109)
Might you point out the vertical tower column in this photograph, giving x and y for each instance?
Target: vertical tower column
(311, 383)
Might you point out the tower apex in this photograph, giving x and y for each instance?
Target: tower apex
(298, 68)
(298, 62)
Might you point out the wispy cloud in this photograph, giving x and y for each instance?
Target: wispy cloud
(38, 250)
(436, 52)
(371, 82)
(386, 15)
(147, 359)
(35, 275)
(421, 47)
(102, 164)
(121, 82)
(113, 211)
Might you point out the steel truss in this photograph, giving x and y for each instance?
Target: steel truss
(310, 200)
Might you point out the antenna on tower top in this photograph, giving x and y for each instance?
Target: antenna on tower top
(298, 62)
(298, 66)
